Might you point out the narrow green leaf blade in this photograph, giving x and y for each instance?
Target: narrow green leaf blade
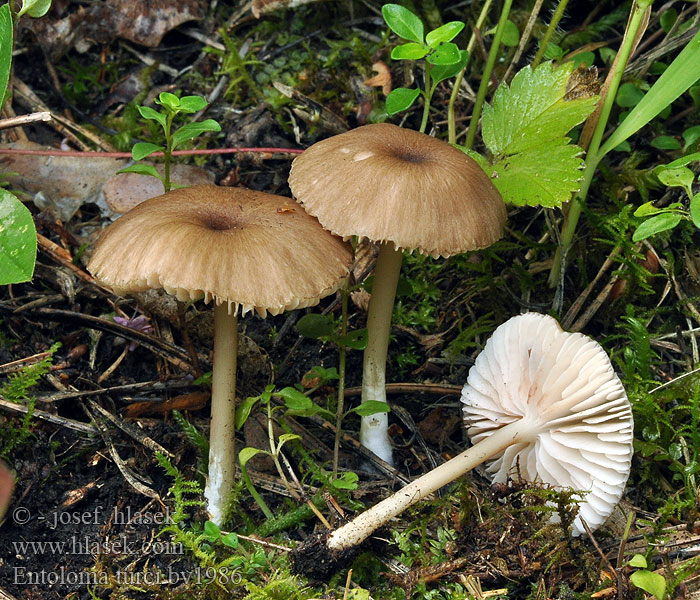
(681, 74)
(403, 22)
(17, 240)
(243, 410)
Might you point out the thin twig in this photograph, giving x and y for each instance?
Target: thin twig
(25, 119)
(46, 416)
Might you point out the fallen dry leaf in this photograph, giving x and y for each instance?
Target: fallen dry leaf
(382, 79)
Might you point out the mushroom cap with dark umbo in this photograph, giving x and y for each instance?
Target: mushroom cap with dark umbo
(386, 183)
(249, 249)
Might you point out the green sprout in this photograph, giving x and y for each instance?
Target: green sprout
(443, 58)
(172, 107)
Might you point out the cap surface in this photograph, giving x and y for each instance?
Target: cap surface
(386, 183)
(245, 248)
(531, 368)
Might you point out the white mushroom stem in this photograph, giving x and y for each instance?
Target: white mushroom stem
(374, 428)
(222, 430)
(362, 526)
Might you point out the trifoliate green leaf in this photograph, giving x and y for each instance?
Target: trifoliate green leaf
(533, 110)
(545, 175)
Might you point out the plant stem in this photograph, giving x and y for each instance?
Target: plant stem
(256, 496)
(362, 526)
(593, 156)
(451, 124)
(373, 430)
(168, 153)
(486, 77)
(427, 95)
(342, 350)
(556, 17)
(222, 429)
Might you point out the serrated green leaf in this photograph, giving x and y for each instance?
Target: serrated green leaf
(444, 55)
(370, 407)
(695, 210)
(152, 115)
(34, 8)
(653, 583)
(400, 99)
(17, 240)
(409, 51)
(192, 104)
(546, 175)
(247, 453)
(444, 33)
(403, 22)
(192, 130)
(143, 149)
(6, 32)
(316, 326)
(441, 72)
(655, 225)
(532, 111)
(142, 170)
(286, 437)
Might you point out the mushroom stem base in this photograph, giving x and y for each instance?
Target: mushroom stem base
(362, 526)
(374, 428)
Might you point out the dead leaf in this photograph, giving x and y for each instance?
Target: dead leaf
(382, 79)
(144, 23)
(193, 401)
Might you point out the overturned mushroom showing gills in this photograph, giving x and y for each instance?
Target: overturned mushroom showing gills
(244, 250)
(406, 191)
(541, 403)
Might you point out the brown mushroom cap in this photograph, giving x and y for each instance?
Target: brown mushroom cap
(246, 248)
(386, 183)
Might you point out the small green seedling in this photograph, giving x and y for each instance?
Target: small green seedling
(674, 174)
(646, 580)
(172, 108)
(443, 58)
